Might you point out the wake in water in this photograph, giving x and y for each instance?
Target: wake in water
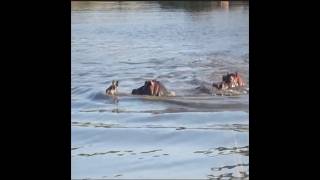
(207, 89)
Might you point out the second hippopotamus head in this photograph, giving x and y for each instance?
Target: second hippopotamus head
(230, 80)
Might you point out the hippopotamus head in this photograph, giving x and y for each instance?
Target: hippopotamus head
(239, 79)
(113, 89)
(152, 88)
(229, 80)
(146, 89)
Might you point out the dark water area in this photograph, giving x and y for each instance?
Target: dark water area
(185, 45)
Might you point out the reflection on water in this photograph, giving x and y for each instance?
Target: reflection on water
(190, 6)
(187, 6)
(200, 6)
(224, 4)
(185, 45)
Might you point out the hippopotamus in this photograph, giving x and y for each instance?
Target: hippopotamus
(152, 88)
(113, 89)
(221, 85)
(230, 80)
(234, 79)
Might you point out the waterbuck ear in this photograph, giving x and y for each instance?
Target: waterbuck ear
(117, 83)
(113, 82)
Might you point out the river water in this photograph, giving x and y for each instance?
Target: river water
(186, 46)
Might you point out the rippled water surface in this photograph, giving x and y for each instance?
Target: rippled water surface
(186, 46)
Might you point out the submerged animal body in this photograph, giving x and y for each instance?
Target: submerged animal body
(152, 88)
(113, 89)
(221, 85)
